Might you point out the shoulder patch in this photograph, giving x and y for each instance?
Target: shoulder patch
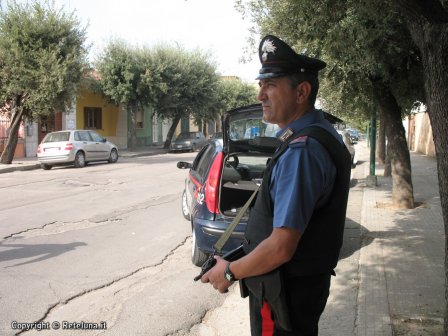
(299, 142)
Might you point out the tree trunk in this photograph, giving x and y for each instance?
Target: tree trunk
(428, 24)
(170, 134)
(381, 141)
(402, 189)
(16, 121)
(205, 129)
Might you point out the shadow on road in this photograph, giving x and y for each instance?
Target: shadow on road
(40, 251)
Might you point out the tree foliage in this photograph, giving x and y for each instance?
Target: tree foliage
(42, 59)
(186, 84)
(123, 79)
(233, 92)
(360, 41)
(371, 59)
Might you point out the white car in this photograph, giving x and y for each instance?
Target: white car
(75, 147)
(349, 143)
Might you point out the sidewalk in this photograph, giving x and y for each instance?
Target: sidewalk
(32, 163)
(390, 279)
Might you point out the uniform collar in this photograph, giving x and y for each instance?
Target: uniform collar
(313, 117)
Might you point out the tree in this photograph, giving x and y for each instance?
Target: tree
(123, 71)
(187, 85)
(232, 92)
(371, 61)
(428, 24)
(42, 59)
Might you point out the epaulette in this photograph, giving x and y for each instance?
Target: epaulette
(299, 141)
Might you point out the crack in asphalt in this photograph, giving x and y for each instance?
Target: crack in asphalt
(25, 231)
(57, 227)
(106, 285)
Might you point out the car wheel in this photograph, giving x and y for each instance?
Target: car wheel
(353, 162)
(185, 208)
(197, 256)
(80, 160)
(113, 157)
(45, 166)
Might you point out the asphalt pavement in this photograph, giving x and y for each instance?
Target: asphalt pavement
(390, 279)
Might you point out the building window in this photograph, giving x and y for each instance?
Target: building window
(139, 118)
(93, 118)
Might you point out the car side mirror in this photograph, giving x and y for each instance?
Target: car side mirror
(184, 165)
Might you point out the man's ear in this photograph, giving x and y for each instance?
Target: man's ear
(303, 92)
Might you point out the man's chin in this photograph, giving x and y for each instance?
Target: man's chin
(267, 118)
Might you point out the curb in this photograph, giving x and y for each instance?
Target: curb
(31, 166)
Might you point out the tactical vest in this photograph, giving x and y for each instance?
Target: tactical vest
(320, 244)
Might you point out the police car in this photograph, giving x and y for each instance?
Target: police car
(223, 176)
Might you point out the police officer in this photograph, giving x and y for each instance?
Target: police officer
(296, 226)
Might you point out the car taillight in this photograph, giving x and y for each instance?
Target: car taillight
(68, 146)
(38, 149)
(212, 184)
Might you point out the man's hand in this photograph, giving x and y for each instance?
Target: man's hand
(216, 276)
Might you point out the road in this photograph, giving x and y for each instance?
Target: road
(104, 244)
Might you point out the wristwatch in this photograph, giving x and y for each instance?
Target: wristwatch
(228, 275)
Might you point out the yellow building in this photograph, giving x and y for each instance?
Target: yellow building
(94, 112)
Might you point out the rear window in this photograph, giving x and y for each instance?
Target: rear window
(57, 137)
(251, 128)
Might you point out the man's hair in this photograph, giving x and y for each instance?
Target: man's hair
(300, 77)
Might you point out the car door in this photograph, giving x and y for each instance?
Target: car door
(85, 142)
(198, 175)
(101, 147)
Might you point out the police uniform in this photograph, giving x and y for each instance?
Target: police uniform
(305, 187)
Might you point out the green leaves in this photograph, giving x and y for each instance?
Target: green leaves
(173, 80)
(359, 40)
(42, 56)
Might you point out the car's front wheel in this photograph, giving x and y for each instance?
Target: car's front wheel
(80, 160)
(113, 157)
(185, 208)
(45, 166)
(197, 256)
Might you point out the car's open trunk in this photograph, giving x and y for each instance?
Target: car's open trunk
(241, 174)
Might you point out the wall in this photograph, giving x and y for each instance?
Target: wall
(419, 134)
(114, 124)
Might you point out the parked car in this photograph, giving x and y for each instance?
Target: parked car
(221, 179)
(349, 143)
(188, 141)
(75, 147)
(354, 135)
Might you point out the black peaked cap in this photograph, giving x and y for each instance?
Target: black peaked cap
(279, 59)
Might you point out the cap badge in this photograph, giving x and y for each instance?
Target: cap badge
(267, 47)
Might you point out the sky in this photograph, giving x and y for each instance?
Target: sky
(213, 26)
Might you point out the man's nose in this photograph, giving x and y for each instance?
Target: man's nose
(261, 94)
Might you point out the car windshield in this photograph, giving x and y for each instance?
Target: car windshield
(185, 136)
(57, 137)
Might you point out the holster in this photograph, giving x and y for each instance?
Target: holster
(269, 287)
